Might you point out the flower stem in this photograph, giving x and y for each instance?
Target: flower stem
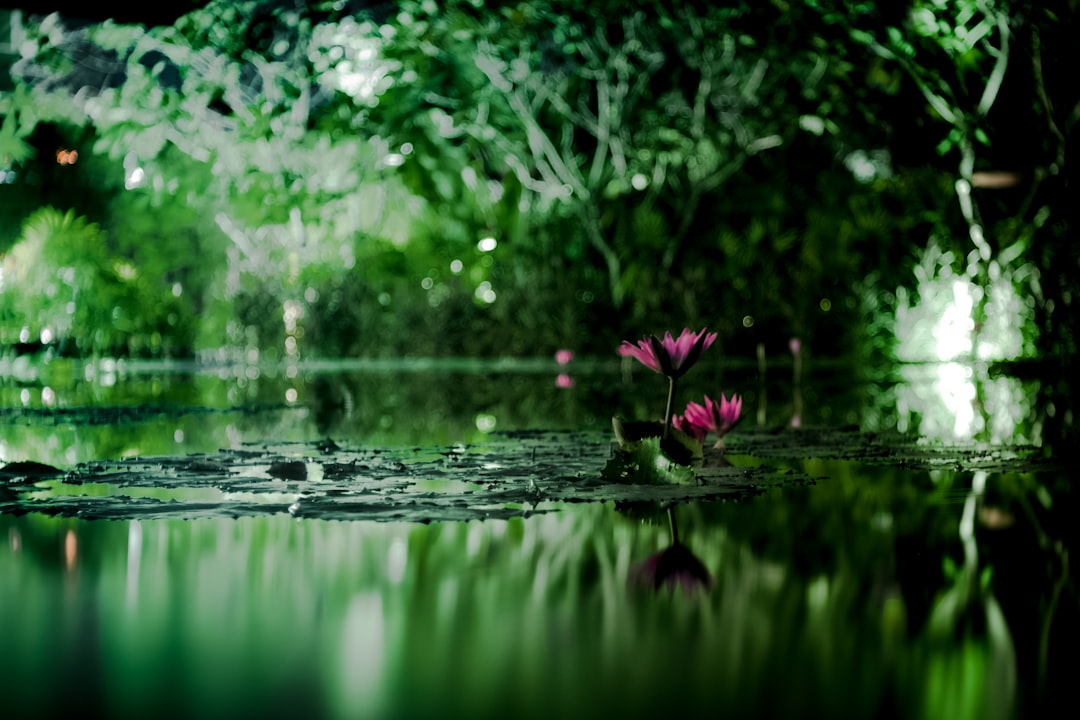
(670, 402)
(671, 524)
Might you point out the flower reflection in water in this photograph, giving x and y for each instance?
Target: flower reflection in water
(673, 567)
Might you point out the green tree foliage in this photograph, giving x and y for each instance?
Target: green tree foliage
(748, 167)
(61, 285)
(999, 110)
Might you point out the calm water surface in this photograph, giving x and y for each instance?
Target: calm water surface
(857, 588)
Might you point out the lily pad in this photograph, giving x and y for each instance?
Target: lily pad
(27, 471)
(513, 474)
(643, 462)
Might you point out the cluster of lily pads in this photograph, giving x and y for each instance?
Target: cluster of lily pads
(679, 437)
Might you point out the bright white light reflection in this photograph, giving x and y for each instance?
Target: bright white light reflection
(942, 327)
(485, 293)
(860, 166)
(364, 653)
(396, 560)
(135, 177)
(456, 266)
(487, 244)
(952, 334)
(134, 557)
(955, 385)
(475, 539)
(957, 400)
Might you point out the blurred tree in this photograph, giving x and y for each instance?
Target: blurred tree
(754, 165)
(1000, 111)
(62, 287)
(595, 117)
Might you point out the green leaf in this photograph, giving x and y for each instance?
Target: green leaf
(643, 463)
(11, 141)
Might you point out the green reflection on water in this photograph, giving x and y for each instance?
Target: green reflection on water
(534, 616)
(65, 412)
(834, 599)
(49, 489)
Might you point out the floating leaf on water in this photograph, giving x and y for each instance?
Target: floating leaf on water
(643, 463)
(677, 447)
(28, 471)
(288, 470)
(327, 446)
(205, 466)
(491, 479)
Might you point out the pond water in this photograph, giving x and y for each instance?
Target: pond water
(445, 539)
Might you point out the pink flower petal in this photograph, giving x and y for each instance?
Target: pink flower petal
(699, 416)
(713, 417)
(683, 425)
(643, 352)
(668, 355)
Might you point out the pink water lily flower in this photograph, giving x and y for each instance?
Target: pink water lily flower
(670, 356)
(713, 417)
(680, 423)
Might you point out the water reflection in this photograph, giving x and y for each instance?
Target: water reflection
(816, 607)
(673, 568)
(961, 402)
(970, 631)
(916, 593)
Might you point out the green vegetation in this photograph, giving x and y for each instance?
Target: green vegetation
(308, 180)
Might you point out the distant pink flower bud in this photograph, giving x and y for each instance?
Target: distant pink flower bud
(564, 381)
(564, 356)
